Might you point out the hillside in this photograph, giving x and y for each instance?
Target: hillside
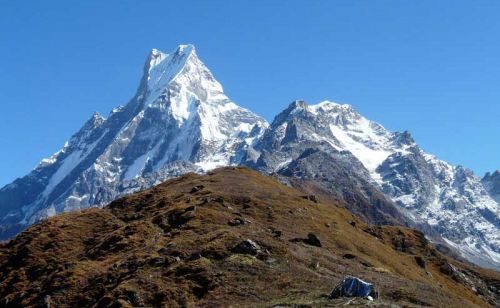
(183, 243)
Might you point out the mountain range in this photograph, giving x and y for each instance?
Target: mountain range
(181, 121)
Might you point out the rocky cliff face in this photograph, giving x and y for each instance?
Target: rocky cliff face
(491, 182)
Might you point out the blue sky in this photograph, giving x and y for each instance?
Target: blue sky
(430, 67)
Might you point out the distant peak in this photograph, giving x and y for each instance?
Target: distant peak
(329, 105)
(298, 104)
(324, 106)
(491, 175)
(161, 68)
(183, 48)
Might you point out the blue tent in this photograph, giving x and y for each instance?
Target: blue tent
(352, 287)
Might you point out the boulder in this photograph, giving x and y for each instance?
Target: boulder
(311, 198)
(312, 240)
(179, 217)
(420, 261)
(196, 189)
(236, 222)
(247, 247)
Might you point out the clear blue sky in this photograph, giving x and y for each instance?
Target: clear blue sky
(431, 67)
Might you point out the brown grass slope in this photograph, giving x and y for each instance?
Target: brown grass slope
(173, 246)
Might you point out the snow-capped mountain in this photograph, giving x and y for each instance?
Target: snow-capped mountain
(300, 143)
(438, 197)
(180, 120)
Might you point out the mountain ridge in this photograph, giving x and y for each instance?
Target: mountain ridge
(432, 193)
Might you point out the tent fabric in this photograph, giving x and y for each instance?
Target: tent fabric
(352, 287)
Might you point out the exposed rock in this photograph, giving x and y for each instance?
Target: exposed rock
(312, 240)
(447, 269)
(277, 233)
(179, 217)
(219, 199)
(197, 188)
(491, 182)
(311, 198)
(401, 244)
(366, 263)
(157, 261)
(247, 247)
(236, 222)
(420, 261)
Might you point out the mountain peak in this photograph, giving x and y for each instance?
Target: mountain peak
(322, 107)
(298, 104)
(186, 48)
(161, 68)
(495, 173)
(156, 56)
(328, 106)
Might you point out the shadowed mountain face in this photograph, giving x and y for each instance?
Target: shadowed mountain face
(230, 237)
(491, 182)
(181, 121)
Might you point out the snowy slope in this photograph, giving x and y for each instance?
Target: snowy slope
(180, 120)
(450, 200)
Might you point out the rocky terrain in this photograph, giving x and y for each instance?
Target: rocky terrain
(230, 237)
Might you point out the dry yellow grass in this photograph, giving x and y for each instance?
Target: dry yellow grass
(154, 249)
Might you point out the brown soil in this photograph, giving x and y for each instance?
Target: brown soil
(174, 246)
